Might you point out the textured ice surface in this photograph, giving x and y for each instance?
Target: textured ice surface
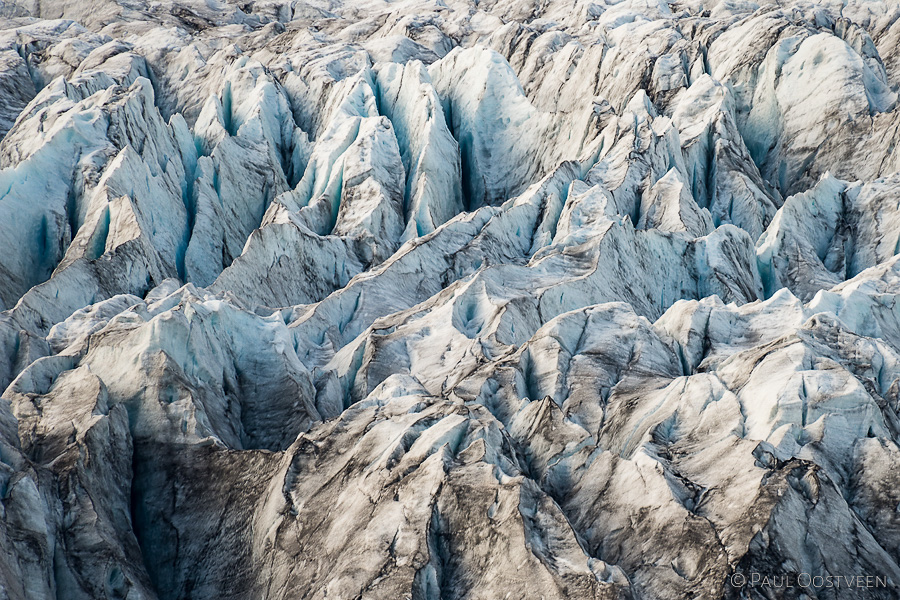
(449, 300)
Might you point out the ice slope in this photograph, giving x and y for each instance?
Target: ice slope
(448, 300)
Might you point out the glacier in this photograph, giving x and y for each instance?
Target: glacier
(449, 300)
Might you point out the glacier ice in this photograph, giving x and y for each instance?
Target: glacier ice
(449, 300)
